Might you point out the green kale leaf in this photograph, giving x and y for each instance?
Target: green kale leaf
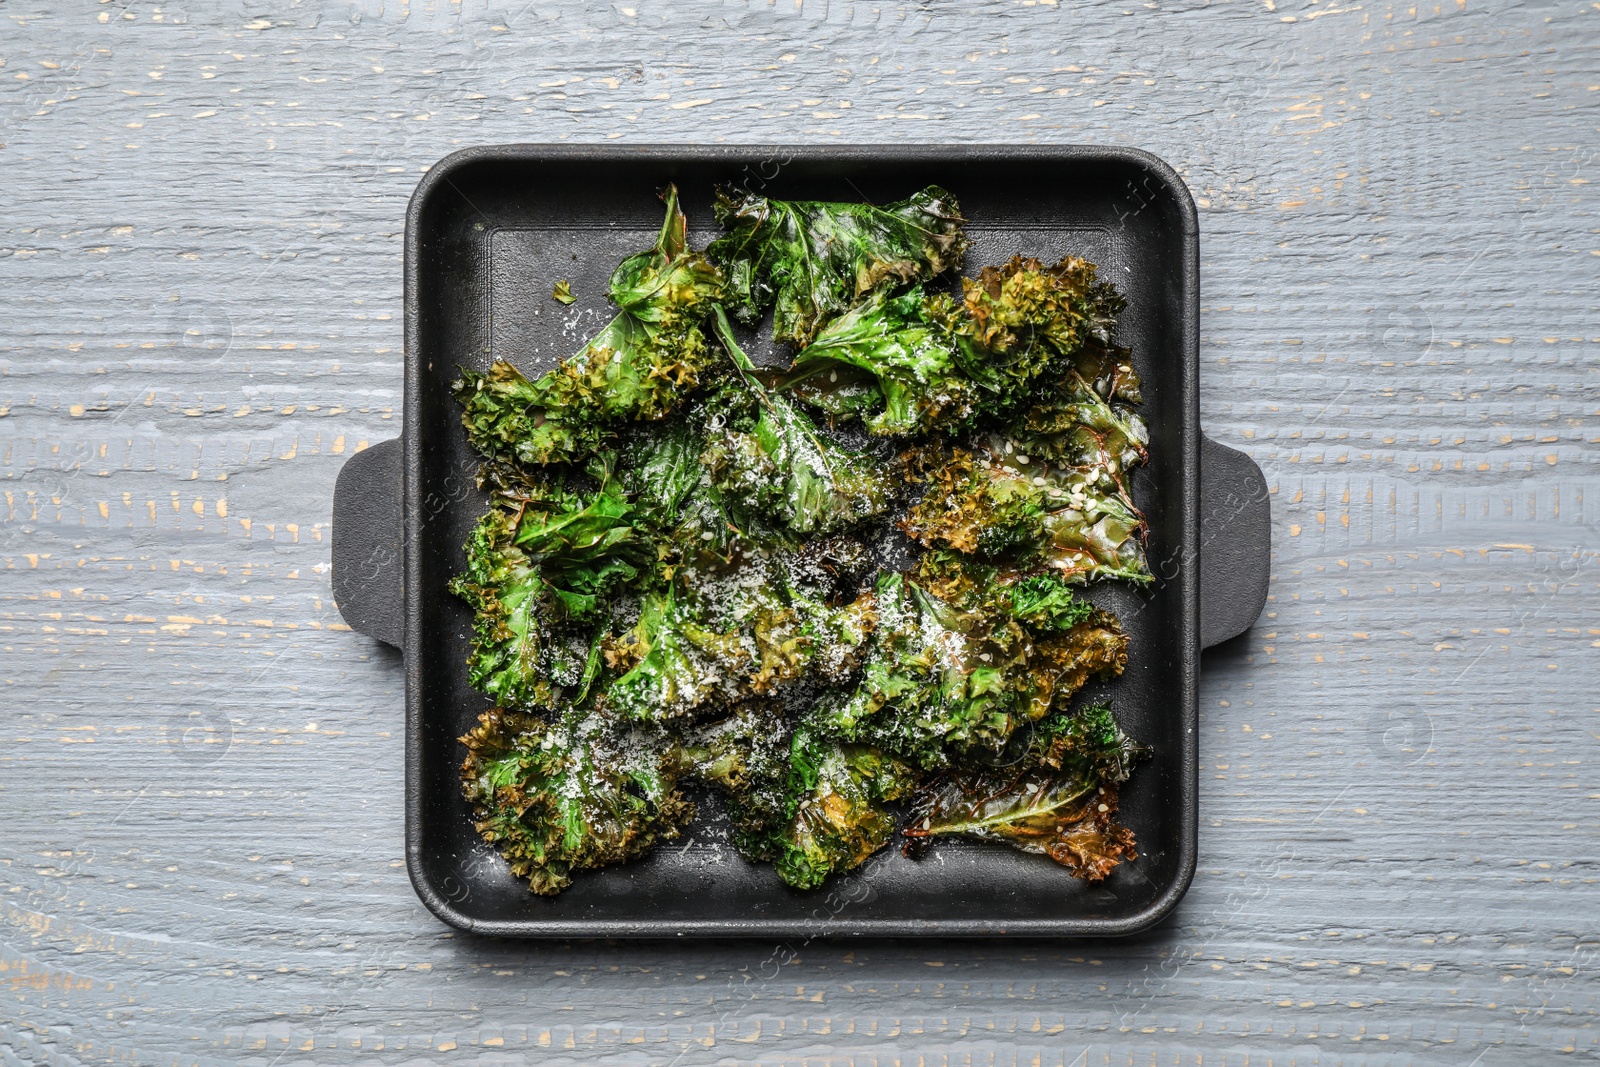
(503, 588)
(785, 470)
(1016, 320)
(812, 260)
(835, 816)
(947, 680)
(1061, 801)
(1000, 502)
(886, 361)
(569, 796)
(746, 757)
(535, 569)
(640, 366)
(1071, 425)
(728, 629)
(911, 362)
(1046, 604)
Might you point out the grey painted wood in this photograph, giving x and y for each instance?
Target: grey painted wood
(200, 855)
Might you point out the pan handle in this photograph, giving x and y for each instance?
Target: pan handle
(1235, 542)
(368, 564)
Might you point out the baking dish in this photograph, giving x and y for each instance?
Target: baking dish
(490, 230)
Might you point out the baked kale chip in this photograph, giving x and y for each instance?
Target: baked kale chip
(811, 261)
(891, 364)
(728, 629)
(571, 795)
(535, 573)
(835, 815)
(912, 362)
(787, 470)
(951, 680)
(1060, 800)
(998, 502)
(639, 367)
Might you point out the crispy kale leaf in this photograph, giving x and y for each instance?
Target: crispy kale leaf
(578, 794)
(536, 569)
(583, 549)
(510, 418)
(814, 260)
(799, 799)
(1045, 603)
(640, 366)
(912, 362)
(1001, 503)
(1041, 602)
(673, 662)
(946, 680)
(785, 470)
(730, 628)
(1060, 801)
(834, 813)
(887, 361)
(502, 585)
(673, 492)
(1071, 425)
(1016, 320)
(746, 756)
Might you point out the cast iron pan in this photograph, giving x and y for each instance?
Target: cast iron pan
(489, 232)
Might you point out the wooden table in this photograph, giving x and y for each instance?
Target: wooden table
(200, 321)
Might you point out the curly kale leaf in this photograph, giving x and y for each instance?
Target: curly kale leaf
(812, 260)
(535, 569)
(912, 362)
(746, 757)
(672, 662)
(577, 794)
(950, 680)
(834, 815)
(728, 629)
(502, 586)
(1043, 603)
(1046, 604)
(1003, 503)
(888, 362)
(1071, 425)
(796, 798)
(583, 551)
(1015, 320)
(1086, 743)
(783, 469)
(639, 367)
(674, 495)
(1061, 801)
(510, 418)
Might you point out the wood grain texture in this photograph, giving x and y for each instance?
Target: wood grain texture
(200, 241)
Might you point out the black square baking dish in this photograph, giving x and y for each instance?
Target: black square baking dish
(490, 230)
